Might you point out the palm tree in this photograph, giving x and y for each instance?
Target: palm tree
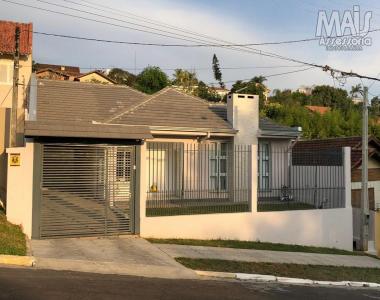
(355, 90)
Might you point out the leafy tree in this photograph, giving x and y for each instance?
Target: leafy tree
(207, 93)
(330, 96)
(122, 77)
(151, 80)
(217, 72)
(185, 79)
(375, 107)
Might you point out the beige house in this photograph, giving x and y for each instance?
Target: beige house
(95, 77)
(7, 47)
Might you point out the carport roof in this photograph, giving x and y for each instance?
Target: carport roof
(85, 130)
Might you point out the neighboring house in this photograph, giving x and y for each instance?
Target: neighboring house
(95, 77)
(221, 91)
(56, 72)
(318, 109)
(7, 48)
(307, 90)
(51, 74)
(60, 72)
(357, 100)
(355, 143)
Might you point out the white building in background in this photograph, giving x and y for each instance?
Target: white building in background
(307, 90)
(357, 100)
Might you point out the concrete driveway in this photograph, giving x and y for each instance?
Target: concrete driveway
(127, 255)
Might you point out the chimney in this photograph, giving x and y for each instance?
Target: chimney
(243, 114)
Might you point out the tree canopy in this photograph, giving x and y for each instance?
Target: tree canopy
(122, 77)
(217, 72)
(185, 79)
(151, 80)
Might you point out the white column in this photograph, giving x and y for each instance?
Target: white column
(20, 188)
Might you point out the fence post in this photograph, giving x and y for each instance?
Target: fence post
(253, 178)
(347, 176)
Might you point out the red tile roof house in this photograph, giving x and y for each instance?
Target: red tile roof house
(109, 160)
(318, 109)
(355, 143)
(7, 48)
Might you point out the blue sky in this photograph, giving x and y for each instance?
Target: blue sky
(237, 21)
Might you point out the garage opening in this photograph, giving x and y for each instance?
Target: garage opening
(87, 190)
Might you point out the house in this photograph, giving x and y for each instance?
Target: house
(357, 100)
(107, 159)
(355, 143)
(56, 72)
(95, 77)
(221, 91)
(7, 48)
(307, 90)
(60, 72)
(318, 109)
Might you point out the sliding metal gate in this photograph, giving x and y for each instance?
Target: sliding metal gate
(86, 190)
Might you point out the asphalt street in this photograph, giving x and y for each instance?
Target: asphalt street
(22, 283)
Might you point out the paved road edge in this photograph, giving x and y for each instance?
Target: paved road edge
(15, 260)
(271, 278)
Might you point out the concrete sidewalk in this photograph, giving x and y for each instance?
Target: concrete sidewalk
(127, 255)
(269, 256)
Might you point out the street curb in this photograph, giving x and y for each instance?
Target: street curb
(271, 278)
(25, 261)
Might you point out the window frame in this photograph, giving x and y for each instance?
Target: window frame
(215, 173)
(260, 165)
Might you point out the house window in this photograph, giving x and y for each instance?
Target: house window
(264, 171)
(218, 166)
(6, 74)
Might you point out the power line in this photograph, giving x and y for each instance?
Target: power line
(245, 49)
(186, 67)
(173, 45)
(270, 75)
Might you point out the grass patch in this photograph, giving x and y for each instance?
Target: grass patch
(12, 239)
(314, 272)
(196, 210)
(254, 245)
(284, 206)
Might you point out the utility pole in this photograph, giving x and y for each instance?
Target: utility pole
(16, 67)
(364, 199)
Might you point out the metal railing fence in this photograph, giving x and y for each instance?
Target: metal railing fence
(197, 178)
(294, 179)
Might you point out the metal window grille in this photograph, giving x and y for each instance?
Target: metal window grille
(197, 178)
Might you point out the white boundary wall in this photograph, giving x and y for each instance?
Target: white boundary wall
(20, 189)
(324, 227)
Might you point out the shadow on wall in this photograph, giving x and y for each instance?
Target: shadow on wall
(5, 116)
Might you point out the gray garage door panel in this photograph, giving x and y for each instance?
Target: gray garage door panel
(87, 190)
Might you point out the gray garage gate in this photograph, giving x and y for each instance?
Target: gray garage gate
(86, 190)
